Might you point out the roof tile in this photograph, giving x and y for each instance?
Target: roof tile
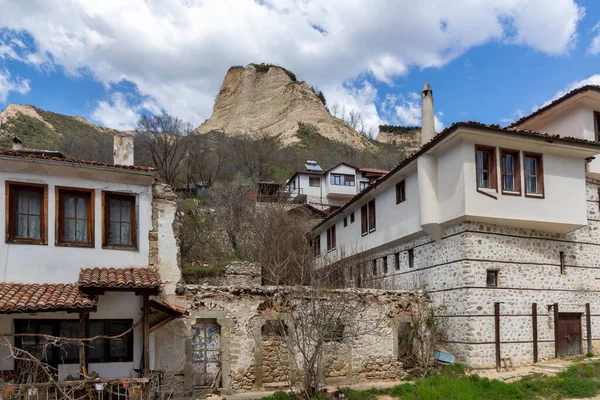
(24, 297)
(120, 278)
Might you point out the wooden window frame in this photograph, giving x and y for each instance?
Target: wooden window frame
(130, 342)
(401, 192)
(496, 282)
(372, 216)
(364, 220)
(352, 217)
(597, 125)
(106, 196)
(344, 176)
(313, 178)
(540, 194)
(516, 172)
(60, 191)
(11, 188)
(493, 176)
(331, 238)
(57, 353)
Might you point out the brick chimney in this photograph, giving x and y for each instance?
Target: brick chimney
(427, 115)
(123, 149)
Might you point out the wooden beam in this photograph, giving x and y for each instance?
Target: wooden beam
(535, 331)
(497, 335)
(146, 353)
(555, 307)
(84, 332)
(588, 323)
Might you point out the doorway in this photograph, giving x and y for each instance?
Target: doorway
(568, 333)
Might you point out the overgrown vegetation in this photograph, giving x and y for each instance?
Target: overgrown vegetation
(319, 93)
(577, 381)
(398, 129)
(263, 68)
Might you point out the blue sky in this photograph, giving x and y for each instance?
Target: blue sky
(490, 61)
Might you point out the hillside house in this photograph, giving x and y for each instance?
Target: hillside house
(500, 225)
(331, 188)
(87, 248)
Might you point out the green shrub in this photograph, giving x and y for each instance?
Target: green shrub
(280, 396)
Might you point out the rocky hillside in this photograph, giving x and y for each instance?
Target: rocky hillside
(40, 129)
(266, 99)
(405, 137)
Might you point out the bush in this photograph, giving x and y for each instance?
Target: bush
(263, 68)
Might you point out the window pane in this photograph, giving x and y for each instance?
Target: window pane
(70, 206)
(479, 160)
(491, 279)
(531, 184)
(125, 210)
(530, 166)
(509, 182)
(69, 233)
(22, 199)
(35, 231)
(118, 346)
(115, 210)
(125, 233)
(81, 230)
(22, 225)
(35, 201)
(508, 164)
(69, 350)
(97, 347)
(115, 233)
(82, 207)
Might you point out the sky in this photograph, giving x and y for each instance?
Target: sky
(111, 61)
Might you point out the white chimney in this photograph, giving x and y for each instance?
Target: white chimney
(427, 115)
(17, 143)
(123, 149)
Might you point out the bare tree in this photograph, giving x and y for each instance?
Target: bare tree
(203, 162)
(161, 138)
(354, 119)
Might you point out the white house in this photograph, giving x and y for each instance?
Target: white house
(83, 252)
(330, 188)
(498, 224)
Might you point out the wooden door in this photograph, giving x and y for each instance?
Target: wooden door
(569, 334)
(206, 354)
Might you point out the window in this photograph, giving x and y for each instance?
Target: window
(314, 182)
(400, 192)
(397, 261)
(364, 223)
(563, 269)
(334, 332)
(372, 217)
(411, 258)
(352, 218)
(342, 180)
(385, 265)
(331, 238)
(534, 175)
(119, 349)
(492, 278)
(597, 124)
(119, 220)
(316, 246)
(363, 185)
(345, 222)
(26, 215)
(274, 328)
(374, 267)
(511, 172)
(75, 219)
(485, 158)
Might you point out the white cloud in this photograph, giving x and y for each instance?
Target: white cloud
(409, 113)
(117, 113)
(8, 84)
(177, 52)
(594, 48)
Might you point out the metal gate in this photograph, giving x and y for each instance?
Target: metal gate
(206, 354)
(569, 334)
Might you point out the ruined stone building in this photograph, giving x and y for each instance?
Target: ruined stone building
(499, 225)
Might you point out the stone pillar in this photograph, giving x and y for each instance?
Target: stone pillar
(427, 114)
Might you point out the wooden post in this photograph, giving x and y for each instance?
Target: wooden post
(84, 332)
(535, 331)
(146, 354)
(497, 331)
(588, 323)
(555, 330)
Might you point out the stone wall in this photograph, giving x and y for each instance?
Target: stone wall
(251, 359)
(453, 271)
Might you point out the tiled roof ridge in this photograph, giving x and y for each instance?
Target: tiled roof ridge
(565, 96)
(16, 153)
(127, 277)
(466, 124)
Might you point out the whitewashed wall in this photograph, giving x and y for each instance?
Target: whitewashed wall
(55, 264)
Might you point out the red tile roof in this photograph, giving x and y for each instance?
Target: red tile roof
(28, 297)
(374, 170)
(446, 132)
(570, 94)
(119, 278)
(72, 161)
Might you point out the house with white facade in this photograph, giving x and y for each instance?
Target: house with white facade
(86, 249)
(499, 225)
(330, 188)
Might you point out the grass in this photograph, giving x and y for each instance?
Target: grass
(577, 381)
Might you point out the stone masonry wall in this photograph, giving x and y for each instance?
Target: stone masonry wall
(454, 270)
